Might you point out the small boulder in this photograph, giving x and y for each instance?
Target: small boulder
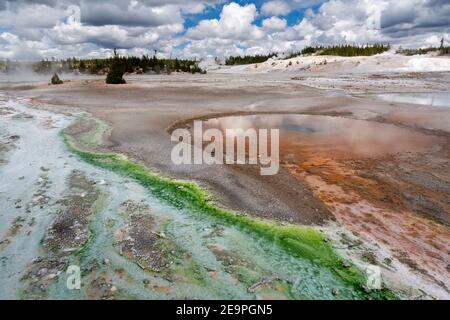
(335, 291)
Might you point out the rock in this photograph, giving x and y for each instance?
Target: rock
(36, 260)
(51, 276)
(42, 272)
(366, 289)
(161, 235)
(208, 269)
(346, 264)
(335, 291)
(263, 281)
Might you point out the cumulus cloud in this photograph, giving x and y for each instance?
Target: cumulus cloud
(403, 19)
(236, 22)
(86, 28)
(276, 8)
(73, 31)
(14, 48)
(32, 29)
(274, 23)
(133, 14)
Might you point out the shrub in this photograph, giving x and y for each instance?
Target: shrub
(115, 76)
(56, 79)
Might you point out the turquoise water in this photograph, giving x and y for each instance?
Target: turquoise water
(212, 261)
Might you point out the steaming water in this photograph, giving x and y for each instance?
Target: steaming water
(434, 99)
(39, 146)
(26, 76)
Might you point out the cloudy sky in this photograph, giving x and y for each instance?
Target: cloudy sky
(35, 29)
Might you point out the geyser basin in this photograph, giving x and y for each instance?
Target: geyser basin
(384, 182)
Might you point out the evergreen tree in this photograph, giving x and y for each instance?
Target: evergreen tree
(116, 71)
(238, 60)
(118, 65)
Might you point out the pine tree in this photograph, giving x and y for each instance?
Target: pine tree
(115, 74)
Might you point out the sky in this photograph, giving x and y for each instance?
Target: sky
(37, 29)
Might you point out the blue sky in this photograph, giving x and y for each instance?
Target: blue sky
(213, 12)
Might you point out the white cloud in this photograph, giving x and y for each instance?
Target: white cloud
(194, 8)
(32, 29)
(12, 47)
(276, 8)
(110, 36)
(274, 23)
(236, 22)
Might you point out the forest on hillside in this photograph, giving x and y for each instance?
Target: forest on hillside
(248, 59)
(343, 50)
(337, 50)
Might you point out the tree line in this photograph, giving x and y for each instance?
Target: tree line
(238, 60)
(346, 50)
(131, 64)
(412, 52)
(337, 50)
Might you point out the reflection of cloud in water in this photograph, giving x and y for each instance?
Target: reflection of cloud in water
(333, 135)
